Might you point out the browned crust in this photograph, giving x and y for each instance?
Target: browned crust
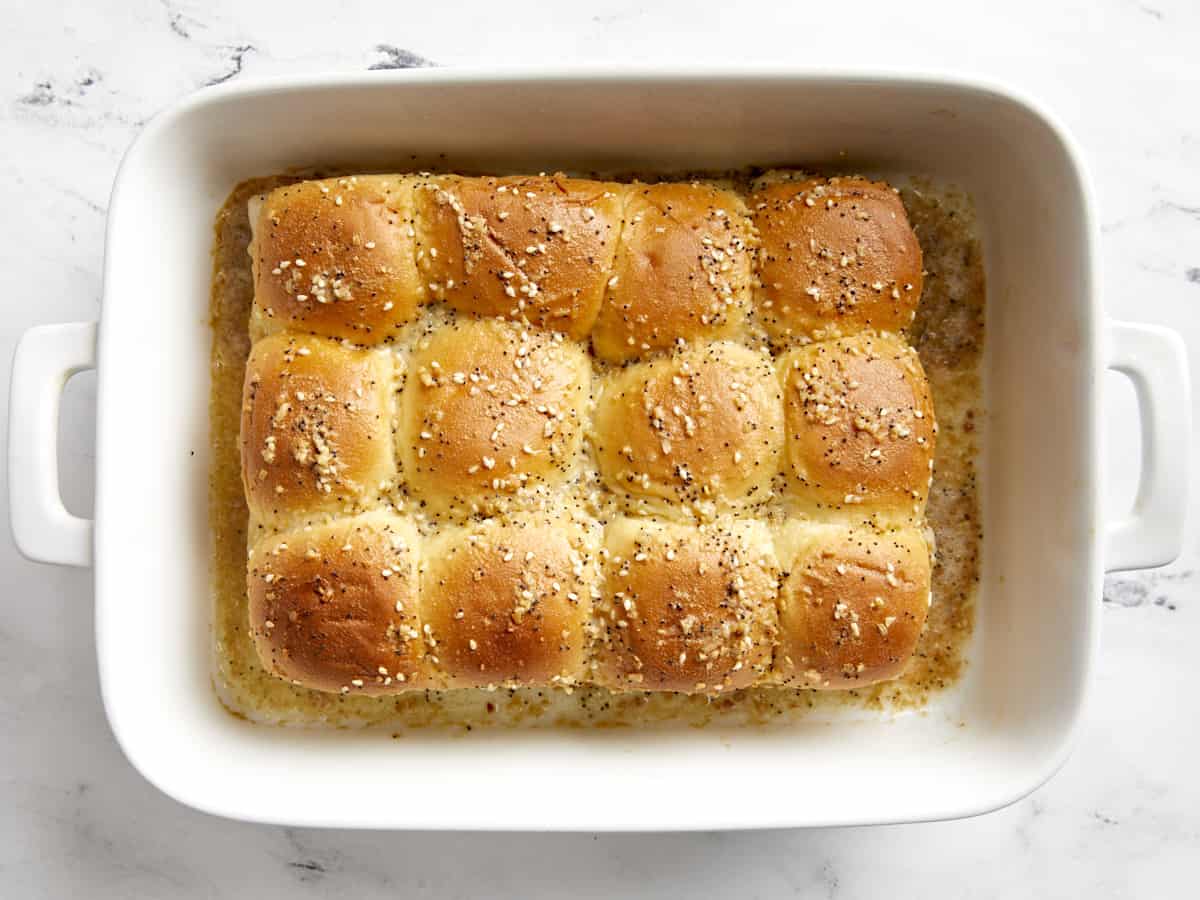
(337, 258)
(860, 425)
(507, 602)
(335, 607)
(532, 248)
(491, 407)
(852, 606)
(316, 426)
(682, 271)
(702, 426)
(685, 608)
(837, 256)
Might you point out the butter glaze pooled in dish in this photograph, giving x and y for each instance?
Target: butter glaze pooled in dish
(606, 454)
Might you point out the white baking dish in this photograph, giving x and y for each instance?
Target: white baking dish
(1001, 733)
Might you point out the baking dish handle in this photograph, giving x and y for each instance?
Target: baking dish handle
(1155, 360)
(46, 357)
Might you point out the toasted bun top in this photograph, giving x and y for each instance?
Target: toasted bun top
(335, 607)
(853, 604)
(837, 257)
(703, 426)
(682, 271)
(316, 426)
(532, 248)
(491, 407)
(507, 601)
(686, 608)
(860, 425)
(336, 258)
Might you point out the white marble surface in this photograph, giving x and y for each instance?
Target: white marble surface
(79, 80)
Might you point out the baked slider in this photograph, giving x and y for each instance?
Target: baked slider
(536, 249)
(335, 607)
(860, 427)
(336, 258)
(837, 256)
(852, 605)
(506, 601)
(701, 428)
(686, 608)
(490, 409)
(316, 427)
(727, 491)
(682, 271)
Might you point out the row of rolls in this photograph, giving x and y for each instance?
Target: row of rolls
(632, 269)
(365, 604)
(594, 342)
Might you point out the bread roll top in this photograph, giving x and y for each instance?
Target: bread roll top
(491, 408)
(531, 248)
(860, 427)
(837, 257)
(316, 427)
(852, 606)
(335, 607)
(682, 271)
(702, 428)
(686, 608)
(507, 602)
(337, 258)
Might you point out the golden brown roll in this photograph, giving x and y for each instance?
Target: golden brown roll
(836, 257)
(860, 426)
(491, 407)
(337, 258)
(852, 606)
(316, 426)
(335, 607)
(703, 426)
(686, 608)
(682, 271)
(507, 601)
(532, 248)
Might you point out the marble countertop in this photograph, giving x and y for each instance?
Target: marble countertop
(80, 80)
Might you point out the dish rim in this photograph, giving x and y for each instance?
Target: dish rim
(208, 97)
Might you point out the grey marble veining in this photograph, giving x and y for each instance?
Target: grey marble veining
(80, 80)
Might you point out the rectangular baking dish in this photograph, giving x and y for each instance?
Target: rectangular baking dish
(1001, 732)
